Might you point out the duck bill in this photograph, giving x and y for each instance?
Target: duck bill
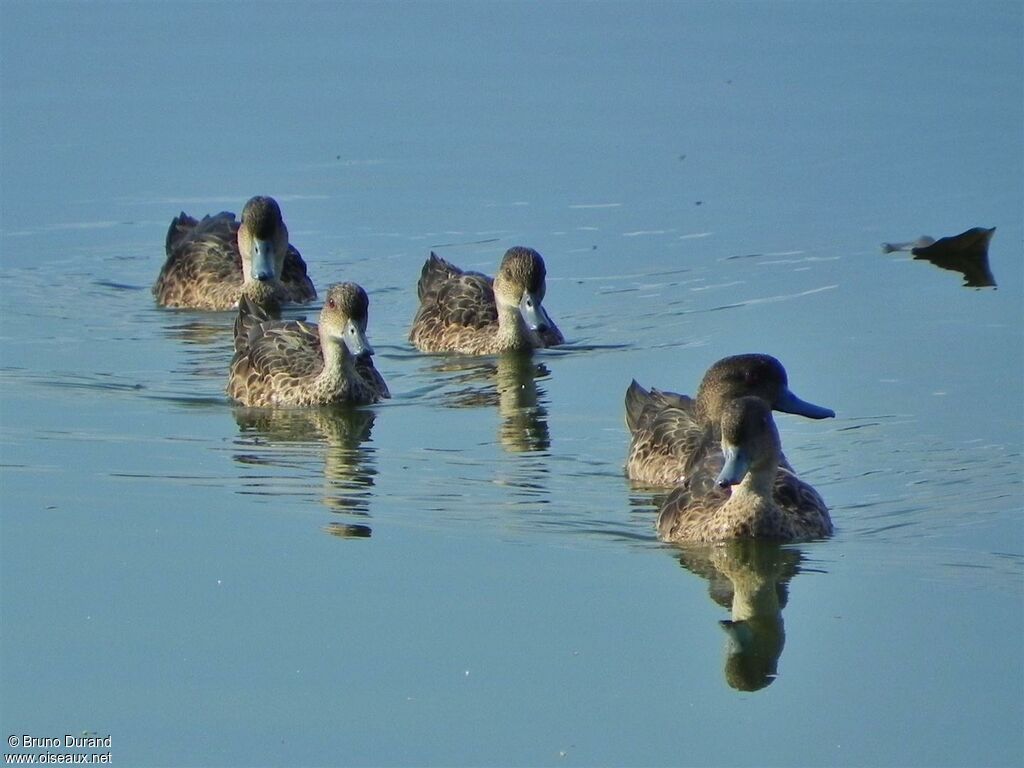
(735, 468)
(533, 313)
(739, 633)
(547, 318)
(355, 340)
(263, 262)
(790, 403)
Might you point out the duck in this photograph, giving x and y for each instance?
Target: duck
(471, 314)
(211, 263)
(752, 496)
(672, 434)
(966, 253)
(295, 363)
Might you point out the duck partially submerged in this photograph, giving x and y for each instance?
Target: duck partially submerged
(469, 313)
(671, 435)
(212, 263)
(966, 253)
(294, 363)
(752, 496)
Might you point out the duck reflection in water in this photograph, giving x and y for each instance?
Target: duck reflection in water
(201, 330)
(751, 579)
(291, 444)
(510, 383)
(966, 253)
(205, 337)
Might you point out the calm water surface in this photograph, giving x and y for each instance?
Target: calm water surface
(462, 575)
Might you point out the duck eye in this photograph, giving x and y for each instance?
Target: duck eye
(331, 304)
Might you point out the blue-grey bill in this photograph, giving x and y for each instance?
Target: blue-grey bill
(790, 403)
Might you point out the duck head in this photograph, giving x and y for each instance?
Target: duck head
(756, 375)
(520, 283)
(262, 240)
(344, 317)
(750, 442)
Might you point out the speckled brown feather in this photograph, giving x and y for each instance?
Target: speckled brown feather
(452, 297)
(203, 269)
(788, 509)
(690, 513)
(372, 378)
(666, 437)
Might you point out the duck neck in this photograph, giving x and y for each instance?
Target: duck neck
(757, 482)
(263, 293)
(751, 501)
(338, 364)
(754, 594)
(513, 333)
(703, 408)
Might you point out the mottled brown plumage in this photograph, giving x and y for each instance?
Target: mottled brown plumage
(469, 313)
(294, 363)
(211, 263)
(672, 435)
(751, 497)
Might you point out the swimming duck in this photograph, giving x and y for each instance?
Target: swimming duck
(470, 313)
(752, 496)
(671, 434)
(211, 263)
(966, 253)
(299, 363)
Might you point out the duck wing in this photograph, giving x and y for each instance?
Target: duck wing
(285, 347)
(687, 510)
(298, 287)
(801, 504)
(203, 269)
(667, 442)
(449, 296)
(371, 376)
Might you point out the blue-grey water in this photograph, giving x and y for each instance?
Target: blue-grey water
(462, 575)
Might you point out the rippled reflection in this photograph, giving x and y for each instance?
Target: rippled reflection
(510, 383)
(751, 579)
(202, 330)
(966, 253)
(348, 530)
(331, 442)
(207, 337)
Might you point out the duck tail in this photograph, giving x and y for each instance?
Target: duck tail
(250, 315)
(435, 272)
(636, 400)
(181, 226)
